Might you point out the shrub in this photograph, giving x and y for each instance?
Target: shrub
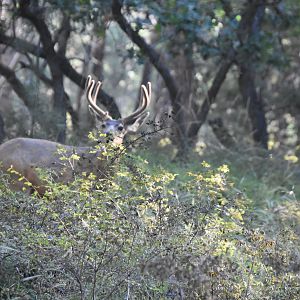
(141, 234)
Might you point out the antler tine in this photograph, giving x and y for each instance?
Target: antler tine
(92, 100)
(144, 103)
(149, 89)
(88, 82)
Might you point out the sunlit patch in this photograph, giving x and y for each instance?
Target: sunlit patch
(291, 158)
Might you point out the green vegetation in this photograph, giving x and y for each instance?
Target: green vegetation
(155, 230)
(208, 208)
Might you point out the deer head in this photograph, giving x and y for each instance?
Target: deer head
(117, 129)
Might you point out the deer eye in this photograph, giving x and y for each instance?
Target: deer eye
(120, 127)
(103, 125)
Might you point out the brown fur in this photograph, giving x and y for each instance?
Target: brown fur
(24, 155)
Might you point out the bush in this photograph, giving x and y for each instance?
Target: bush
(140, 234)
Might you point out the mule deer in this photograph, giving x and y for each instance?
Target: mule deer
(24, 155)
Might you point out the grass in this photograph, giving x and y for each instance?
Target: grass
(265, 179)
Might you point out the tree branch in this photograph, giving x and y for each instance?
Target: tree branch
(48, 82)
(21, 45)
(17, 85)
(63, 35)
(150, 52)
(248, 17)
(28, 10)
(25, 47)
(202, 111)
(25, 95)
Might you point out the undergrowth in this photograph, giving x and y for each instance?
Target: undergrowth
(154, 229)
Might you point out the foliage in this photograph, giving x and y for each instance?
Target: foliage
(146, 233)
(154, 229)
(197, 36)
(206, 27)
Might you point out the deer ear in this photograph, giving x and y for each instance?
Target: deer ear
(137, 123)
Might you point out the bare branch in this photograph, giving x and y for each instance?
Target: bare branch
(21, 45)
(16, 84)
(24, 47)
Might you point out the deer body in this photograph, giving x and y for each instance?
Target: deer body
(25, 155)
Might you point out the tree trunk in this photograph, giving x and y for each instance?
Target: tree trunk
(254, 102)
(202, 111)
(60, 104)
(93, 64)
(32, 13)
(98, 47)
(59, 107)
(249, 33)
(2, 130)
(184, 114)
(185, 135)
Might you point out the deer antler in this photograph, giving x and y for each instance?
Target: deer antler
(144, 103)
(89, 86)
